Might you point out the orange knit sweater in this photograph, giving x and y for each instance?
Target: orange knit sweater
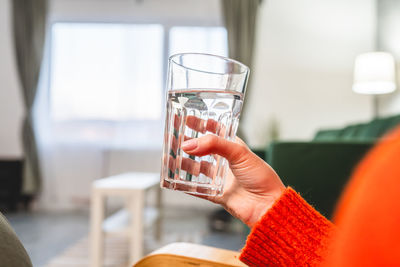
(366, 229)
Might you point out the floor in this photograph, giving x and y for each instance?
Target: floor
(46, 235)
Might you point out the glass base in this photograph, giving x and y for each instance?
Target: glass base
(192, 188)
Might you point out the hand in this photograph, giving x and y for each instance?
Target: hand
(251, 185)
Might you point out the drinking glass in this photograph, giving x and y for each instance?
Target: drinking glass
(204, 96)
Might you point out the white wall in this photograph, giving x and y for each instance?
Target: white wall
(388, 40)
(11, 107)
(303, 67)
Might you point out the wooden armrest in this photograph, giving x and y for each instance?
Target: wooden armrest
(186, 254)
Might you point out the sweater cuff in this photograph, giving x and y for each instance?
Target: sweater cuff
(291, 233)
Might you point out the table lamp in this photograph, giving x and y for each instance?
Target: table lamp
(374, 74)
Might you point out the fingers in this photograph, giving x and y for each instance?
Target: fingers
(197, 125)
(191, 166)
(201, 125)
(212, 144)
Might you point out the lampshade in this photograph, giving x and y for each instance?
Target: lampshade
(374, 73)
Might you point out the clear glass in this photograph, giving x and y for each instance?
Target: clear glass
(205, 96)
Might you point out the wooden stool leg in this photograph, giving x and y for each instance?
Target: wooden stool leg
(158, 230)
(136, 210)
(96, 231)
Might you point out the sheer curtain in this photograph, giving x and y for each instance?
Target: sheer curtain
(240, 18)
(29, 22)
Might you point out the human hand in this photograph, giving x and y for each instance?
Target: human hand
(251, 185)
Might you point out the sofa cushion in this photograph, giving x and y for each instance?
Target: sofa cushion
(351, 132)
(360, 132)
(328, 135)
(391, 123)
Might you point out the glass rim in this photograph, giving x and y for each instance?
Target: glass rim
(245, 68)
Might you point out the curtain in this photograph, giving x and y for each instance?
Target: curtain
(29, 22)
(240, 18)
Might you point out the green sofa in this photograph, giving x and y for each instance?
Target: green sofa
(319, 169)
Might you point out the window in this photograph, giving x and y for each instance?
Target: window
(107, 79)
(105, 71)
(114, 72)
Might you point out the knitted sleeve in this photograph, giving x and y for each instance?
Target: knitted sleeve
(291, 233)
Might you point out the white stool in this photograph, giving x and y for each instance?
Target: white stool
(133, 187)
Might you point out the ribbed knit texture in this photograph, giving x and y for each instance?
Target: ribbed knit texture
(291, 233)
(367, 220)
(368, 214)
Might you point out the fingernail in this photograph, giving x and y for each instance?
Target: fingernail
(189, 144)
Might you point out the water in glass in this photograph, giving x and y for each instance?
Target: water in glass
(192, 114)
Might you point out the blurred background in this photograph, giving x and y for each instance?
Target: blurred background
(82, 98)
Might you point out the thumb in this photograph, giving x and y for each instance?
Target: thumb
(212, 144)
